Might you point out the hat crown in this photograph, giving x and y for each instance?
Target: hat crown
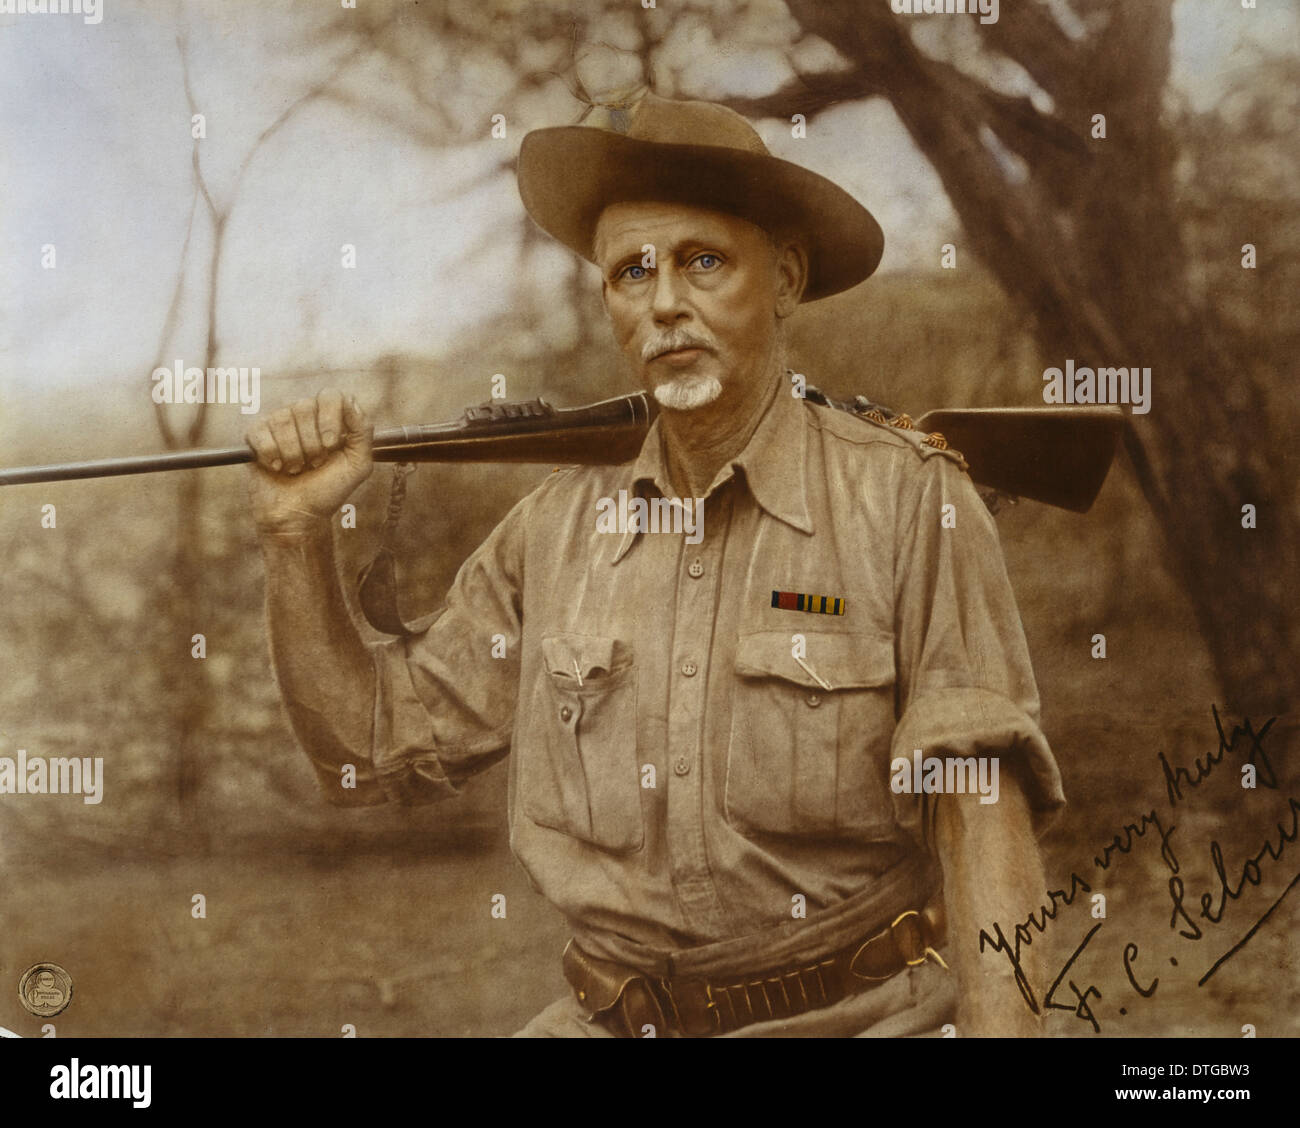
(633, 145)
(670, 122)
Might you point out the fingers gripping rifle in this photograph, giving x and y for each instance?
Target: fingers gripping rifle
(1059, 456)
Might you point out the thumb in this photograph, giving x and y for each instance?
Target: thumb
(360, 430)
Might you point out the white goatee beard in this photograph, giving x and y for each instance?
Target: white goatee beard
(689, 392)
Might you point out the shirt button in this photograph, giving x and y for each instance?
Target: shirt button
(813, 700)
(696, 570)
(682, 766)
(689, 669)
(565, 714)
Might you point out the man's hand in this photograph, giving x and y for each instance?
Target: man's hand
(310, 457)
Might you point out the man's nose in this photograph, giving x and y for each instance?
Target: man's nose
(668, 298)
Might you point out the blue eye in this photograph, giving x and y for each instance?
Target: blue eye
(708, 262)
(636, 273)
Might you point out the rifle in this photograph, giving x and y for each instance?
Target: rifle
(1059, 456)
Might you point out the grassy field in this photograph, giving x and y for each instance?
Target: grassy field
(394, 942)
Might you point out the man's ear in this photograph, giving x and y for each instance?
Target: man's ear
(791, 278)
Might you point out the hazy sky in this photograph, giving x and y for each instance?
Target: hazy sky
(95, 159)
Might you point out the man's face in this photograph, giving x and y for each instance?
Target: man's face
(700, 325)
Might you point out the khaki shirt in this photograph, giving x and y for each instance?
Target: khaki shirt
(678, 777)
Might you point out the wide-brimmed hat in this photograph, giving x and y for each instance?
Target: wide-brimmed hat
(694, 153)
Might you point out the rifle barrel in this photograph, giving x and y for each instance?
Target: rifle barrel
(140, 464)
(604, 432)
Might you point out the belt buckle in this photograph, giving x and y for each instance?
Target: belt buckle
(908, 941)
(915, 939)
(865, 946)
(918, 933)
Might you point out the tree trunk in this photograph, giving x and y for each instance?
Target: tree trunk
(1089, 240)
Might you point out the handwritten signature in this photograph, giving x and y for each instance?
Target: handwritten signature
(1178, 782)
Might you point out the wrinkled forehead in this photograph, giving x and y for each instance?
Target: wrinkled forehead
(623, 228)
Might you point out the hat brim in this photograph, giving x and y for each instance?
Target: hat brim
(569, 174)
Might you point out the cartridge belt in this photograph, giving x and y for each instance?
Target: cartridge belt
(631, 1004)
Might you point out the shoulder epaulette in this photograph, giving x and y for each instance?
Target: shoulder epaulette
(899, 423)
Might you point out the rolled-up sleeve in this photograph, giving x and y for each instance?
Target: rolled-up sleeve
(445, 699)
(965, 684)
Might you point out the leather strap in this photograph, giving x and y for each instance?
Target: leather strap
(628, 1002)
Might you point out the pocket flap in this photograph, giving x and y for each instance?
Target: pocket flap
(599, 984)
(842, 660)
(591, 656)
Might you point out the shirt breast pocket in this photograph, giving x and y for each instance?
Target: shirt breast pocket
(579, 771)
(804, 759)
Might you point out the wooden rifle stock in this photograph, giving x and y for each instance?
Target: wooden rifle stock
(1055, 455)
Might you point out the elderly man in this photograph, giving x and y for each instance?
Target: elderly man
(701, 734)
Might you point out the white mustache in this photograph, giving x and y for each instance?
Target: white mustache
(671, 341)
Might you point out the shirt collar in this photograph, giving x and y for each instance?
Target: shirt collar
(773, 465)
